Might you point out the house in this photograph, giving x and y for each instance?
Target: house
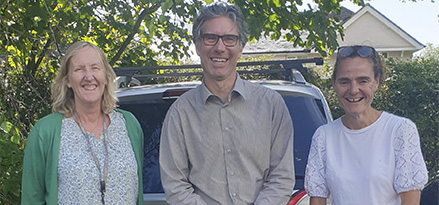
(365, 27)
(370, 27)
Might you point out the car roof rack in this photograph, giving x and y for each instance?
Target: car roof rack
(287, 67)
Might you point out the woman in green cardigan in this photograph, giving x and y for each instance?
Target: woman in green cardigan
(87, 151)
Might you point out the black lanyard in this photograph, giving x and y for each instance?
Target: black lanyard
(103, 177)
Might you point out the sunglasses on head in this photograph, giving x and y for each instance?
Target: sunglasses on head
(362, 51)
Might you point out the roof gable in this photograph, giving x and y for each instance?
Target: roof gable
(369, 27)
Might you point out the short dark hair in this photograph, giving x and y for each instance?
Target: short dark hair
(378, 66)
(219, 9)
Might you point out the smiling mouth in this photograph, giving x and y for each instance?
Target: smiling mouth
(219, 60)
(354, 99)
(89, 87)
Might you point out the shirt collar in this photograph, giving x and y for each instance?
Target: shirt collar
(237, 88)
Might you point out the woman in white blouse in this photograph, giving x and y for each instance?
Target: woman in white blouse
(366, 156)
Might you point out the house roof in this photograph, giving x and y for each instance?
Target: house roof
(266, 45)
(345, 14)
(365, 27)
(370, 27)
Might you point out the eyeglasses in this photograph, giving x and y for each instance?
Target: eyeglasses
(362, 51)
(229, 40)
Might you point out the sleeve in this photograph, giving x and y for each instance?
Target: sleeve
(410, 171)
(279, 184)
(135, 134)
(140, 161)
(174, 163)
(315, 181)
(33, 179)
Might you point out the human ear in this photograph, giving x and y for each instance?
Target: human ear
(197, 48)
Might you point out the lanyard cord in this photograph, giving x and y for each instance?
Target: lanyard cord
(103, 177)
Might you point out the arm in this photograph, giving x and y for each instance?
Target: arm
(412, 197)
(40, 165)
(315, 179)
(135, 133)
(279, 184)
(317, 201)
(33, 188)
(409, 163)
(174, 163)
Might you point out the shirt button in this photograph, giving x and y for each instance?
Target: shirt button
(233, 194)
(226, 128)
(229, 150)
(232, 173)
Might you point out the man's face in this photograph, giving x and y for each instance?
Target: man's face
(219, 61)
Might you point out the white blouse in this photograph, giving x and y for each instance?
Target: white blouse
(367, 166)
(78, 176)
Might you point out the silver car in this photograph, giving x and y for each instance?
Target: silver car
(149, 103)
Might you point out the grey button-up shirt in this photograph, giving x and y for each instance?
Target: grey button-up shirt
(239, 152)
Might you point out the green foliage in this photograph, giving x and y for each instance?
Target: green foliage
(34, 35)
(11, 156)
(412, 91)
(321, 77)
(283, 15)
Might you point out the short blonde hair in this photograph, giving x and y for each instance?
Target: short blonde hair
(63, 96)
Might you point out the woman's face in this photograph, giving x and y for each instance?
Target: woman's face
(86, 77)
(355, 85)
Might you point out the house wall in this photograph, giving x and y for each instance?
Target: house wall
(405, 55)
(369, 30)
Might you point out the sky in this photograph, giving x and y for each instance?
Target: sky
(419, 19)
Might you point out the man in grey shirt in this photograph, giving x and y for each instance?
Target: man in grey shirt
(228, 141)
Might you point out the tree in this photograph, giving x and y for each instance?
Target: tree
(34, 35)
(412, 90)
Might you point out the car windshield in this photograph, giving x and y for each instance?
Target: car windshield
(307, 114)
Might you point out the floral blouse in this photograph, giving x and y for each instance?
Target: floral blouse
(78, 175)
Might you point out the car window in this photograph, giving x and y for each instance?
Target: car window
(150, 116)
(307, 114)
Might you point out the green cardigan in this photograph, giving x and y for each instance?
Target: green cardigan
(40, 165)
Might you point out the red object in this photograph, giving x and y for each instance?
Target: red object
(297, 197)
(174, 93)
